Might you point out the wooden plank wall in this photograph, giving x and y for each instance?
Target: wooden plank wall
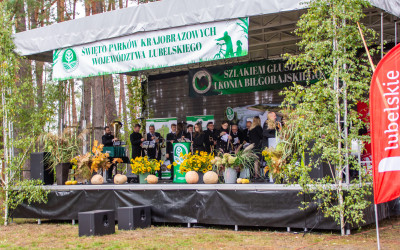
(169, 97)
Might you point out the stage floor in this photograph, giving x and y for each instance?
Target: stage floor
(258, 204)
(175, 186)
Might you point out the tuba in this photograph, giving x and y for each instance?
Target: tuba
(116, 125)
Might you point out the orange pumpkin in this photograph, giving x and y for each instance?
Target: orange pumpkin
(97, 179)
(210, 178)
(192, 177)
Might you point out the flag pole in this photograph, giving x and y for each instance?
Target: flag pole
(366, 48)
(373, 69)
(377, 227)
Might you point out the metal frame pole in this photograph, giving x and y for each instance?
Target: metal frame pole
(377, 227)
(381, 35)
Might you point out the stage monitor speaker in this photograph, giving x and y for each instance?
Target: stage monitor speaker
(40, 168)
(97, 222)
(134, 217)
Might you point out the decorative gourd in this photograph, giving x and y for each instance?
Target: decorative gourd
(120, 179)
(245, 181)
(152, 179)
(210, 178)
(239, 181)
(192, 177)
(74, 182)
(97, 179)
(68, 183)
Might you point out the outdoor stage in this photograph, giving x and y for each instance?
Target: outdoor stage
(266, 205)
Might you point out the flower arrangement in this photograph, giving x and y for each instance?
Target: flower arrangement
(200, 162)
(243, 158)
(225, 161)
(273, 160)
(143, 165)
(85, 165)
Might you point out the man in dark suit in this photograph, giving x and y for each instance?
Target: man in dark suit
(136, 141)
(155, 137)
(107, 139)
(210, 137)
(171, 138)
(237, 136)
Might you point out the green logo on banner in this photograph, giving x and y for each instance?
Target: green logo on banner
(180, 149)
(230, 114)
(69, 60)
(202, 82)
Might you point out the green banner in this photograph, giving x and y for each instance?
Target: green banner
(184, 149)
(245, 78)
(204, 119)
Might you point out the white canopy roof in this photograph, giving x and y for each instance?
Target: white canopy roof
(41, 42)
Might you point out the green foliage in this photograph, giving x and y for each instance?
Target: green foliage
(322, 117)
(62, 148)
(21, 120)
(28, 191)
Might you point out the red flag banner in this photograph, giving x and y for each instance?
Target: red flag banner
(384, 101)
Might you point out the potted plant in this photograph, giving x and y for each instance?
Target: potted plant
(226, 163)
(62, 149)
(143, 166)
(95, 161)
(245, 159)
(200, 163)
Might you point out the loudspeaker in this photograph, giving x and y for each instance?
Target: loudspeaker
(40, 168)
(134, 217)
(97, 222)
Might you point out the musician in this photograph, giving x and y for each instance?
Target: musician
(210, 136)
(237, 136)
(180, 131)
(108, 139)
(136, 141)
(152, 136)
(189, 133)
(198, 139)
(171, 138)
(271, 127)
(224, 137)
(246, 132)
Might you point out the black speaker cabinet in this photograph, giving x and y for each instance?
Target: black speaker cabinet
(97, 222)
(40, 168)
(134, 217)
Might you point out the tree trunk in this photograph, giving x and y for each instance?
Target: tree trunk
(39, 83)
(123, 114)
(109, 99)
(73, 105)
(98, 107)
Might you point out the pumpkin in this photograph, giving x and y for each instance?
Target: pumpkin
(68, 183)
(120, 179)
(74, 182)
(239, 181)
(210, 178)
(97, 179)
(192, 177)
(152, 179)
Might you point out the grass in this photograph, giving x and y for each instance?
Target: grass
(27, 234)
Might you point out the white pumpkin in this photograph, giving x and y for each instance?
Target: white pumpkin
(192, 177)
(210, 178)
(120, 179)
(152, 179)
(97, 179)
